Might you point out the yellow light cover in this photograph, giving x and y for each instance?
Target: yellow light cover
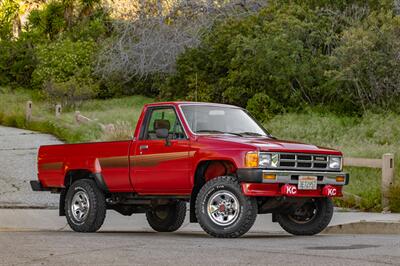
(340, 179)
(269, 176)
(251, 159)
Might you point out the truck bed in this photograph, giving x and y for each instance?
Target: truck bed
(109, 158)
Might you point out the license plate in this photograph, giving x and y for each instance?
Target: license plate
(307, 182)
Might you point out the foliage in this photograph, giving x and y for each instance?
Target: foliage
(263, 107)
(70, 93)
(61, 60)
(9, 10)
(339, 55)
(367, 65)
(49, 21)
(395, 198)
(17, 62)
(281, 52)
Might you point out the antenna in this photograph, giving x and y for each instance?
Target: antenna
(195, 94)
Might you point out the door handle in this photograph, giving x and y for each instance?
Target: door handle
(143, 147)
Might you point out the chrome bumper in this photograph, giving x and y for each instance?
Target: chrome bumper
(291, 177)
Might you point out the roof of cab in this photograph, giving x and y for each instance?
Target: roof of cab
(178, 103)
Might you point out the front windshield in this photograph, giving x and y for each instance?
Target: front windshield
(221, 120)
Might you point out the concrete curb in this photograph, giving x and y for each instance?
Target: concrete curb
(364, 227)
(28, 219)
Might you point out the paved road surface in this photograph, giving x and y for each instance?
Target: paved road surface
(194, 248)
(18, 154)
(40, 237)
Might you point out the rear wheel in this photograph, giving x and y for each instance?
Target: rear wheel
(167, 218)
(309, 219)
(85, 206)
(222, 210)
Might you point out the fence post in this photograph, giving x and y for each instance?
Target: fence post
(387, 179)
(58, 110)
(28, 111)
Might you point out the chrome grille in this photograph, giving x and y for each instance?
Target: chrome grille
(303, 161)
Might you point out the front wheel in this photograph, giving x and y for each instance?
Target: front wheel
(309, 219)
(223, 210)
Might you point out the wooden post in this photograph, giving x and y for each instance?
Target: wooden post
(387, 179)
(77, 114)
(58, 110)
(28, 111)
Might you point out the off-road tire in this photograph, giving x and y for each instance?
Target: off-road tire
(323, 215)
(97, 206)
(247, 208)
(173, 218)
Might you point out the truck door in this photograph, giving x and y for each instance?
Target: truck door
(161, 166)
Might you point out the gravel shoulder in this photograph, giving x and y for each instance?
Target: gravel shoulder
(18, 157)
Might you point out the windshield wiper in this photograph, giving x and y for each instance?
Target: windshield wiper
(218, 132)
(251, 134)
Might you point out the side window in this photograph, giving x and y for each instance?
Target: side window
(164, 118)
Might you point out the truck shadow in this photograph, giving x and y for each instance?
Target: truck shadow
(189, 234)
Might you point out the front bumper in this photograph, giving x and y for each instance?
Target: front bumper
(255, 175)
(285, 182)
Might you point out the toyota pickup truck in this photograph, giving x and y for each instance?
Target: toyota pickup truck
(215, 157)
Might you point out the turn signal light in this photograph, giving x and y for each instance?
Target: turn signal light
(340, 179)
(269, 177)
(251, 159)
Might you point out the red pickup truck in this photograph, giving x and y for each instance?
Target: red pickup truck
(214, 156)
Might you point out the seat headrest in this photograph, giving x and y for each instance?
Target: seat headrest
(161, 123)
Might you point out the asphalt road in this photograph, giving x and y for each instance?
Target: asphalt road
(18, 155)
(194, 248)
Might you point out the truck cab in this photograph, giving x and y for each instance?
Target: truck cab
(215, 157)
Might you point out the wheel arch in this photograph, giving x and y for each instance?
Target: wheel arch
(205, 171)
(71, 176)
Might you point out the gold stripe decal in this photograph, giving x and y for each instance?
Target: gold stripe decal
(114, 162)
(51, 166)
(155, 159)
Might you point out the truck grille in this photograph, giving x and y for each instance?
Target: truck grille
(303, 161)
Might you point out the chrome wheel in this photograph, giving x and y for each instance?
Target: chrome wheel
(80, 206)
(223, 208)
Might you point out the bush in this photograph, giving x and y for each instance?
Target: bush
(395, 198)
(17, 62)
(282, 53)
(263, 107)
(366, 64)
(59, 61)
(341, 56)
(70, 93)
(49, 21)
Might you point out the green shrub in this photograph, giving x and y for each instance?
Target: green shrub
(263, 107)
(395, 198)
(61, 60)
(48, 21)
(17, 62)
(282, 53)
(366, 63)
(71, 92)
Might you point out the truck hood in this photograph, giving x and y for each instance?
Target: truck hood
(274, 145)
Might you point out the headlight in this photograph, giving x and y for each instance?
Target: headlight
(268, 160)
(335, 163)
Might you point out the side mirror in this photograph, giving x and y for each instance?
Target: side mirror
(162, 133)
